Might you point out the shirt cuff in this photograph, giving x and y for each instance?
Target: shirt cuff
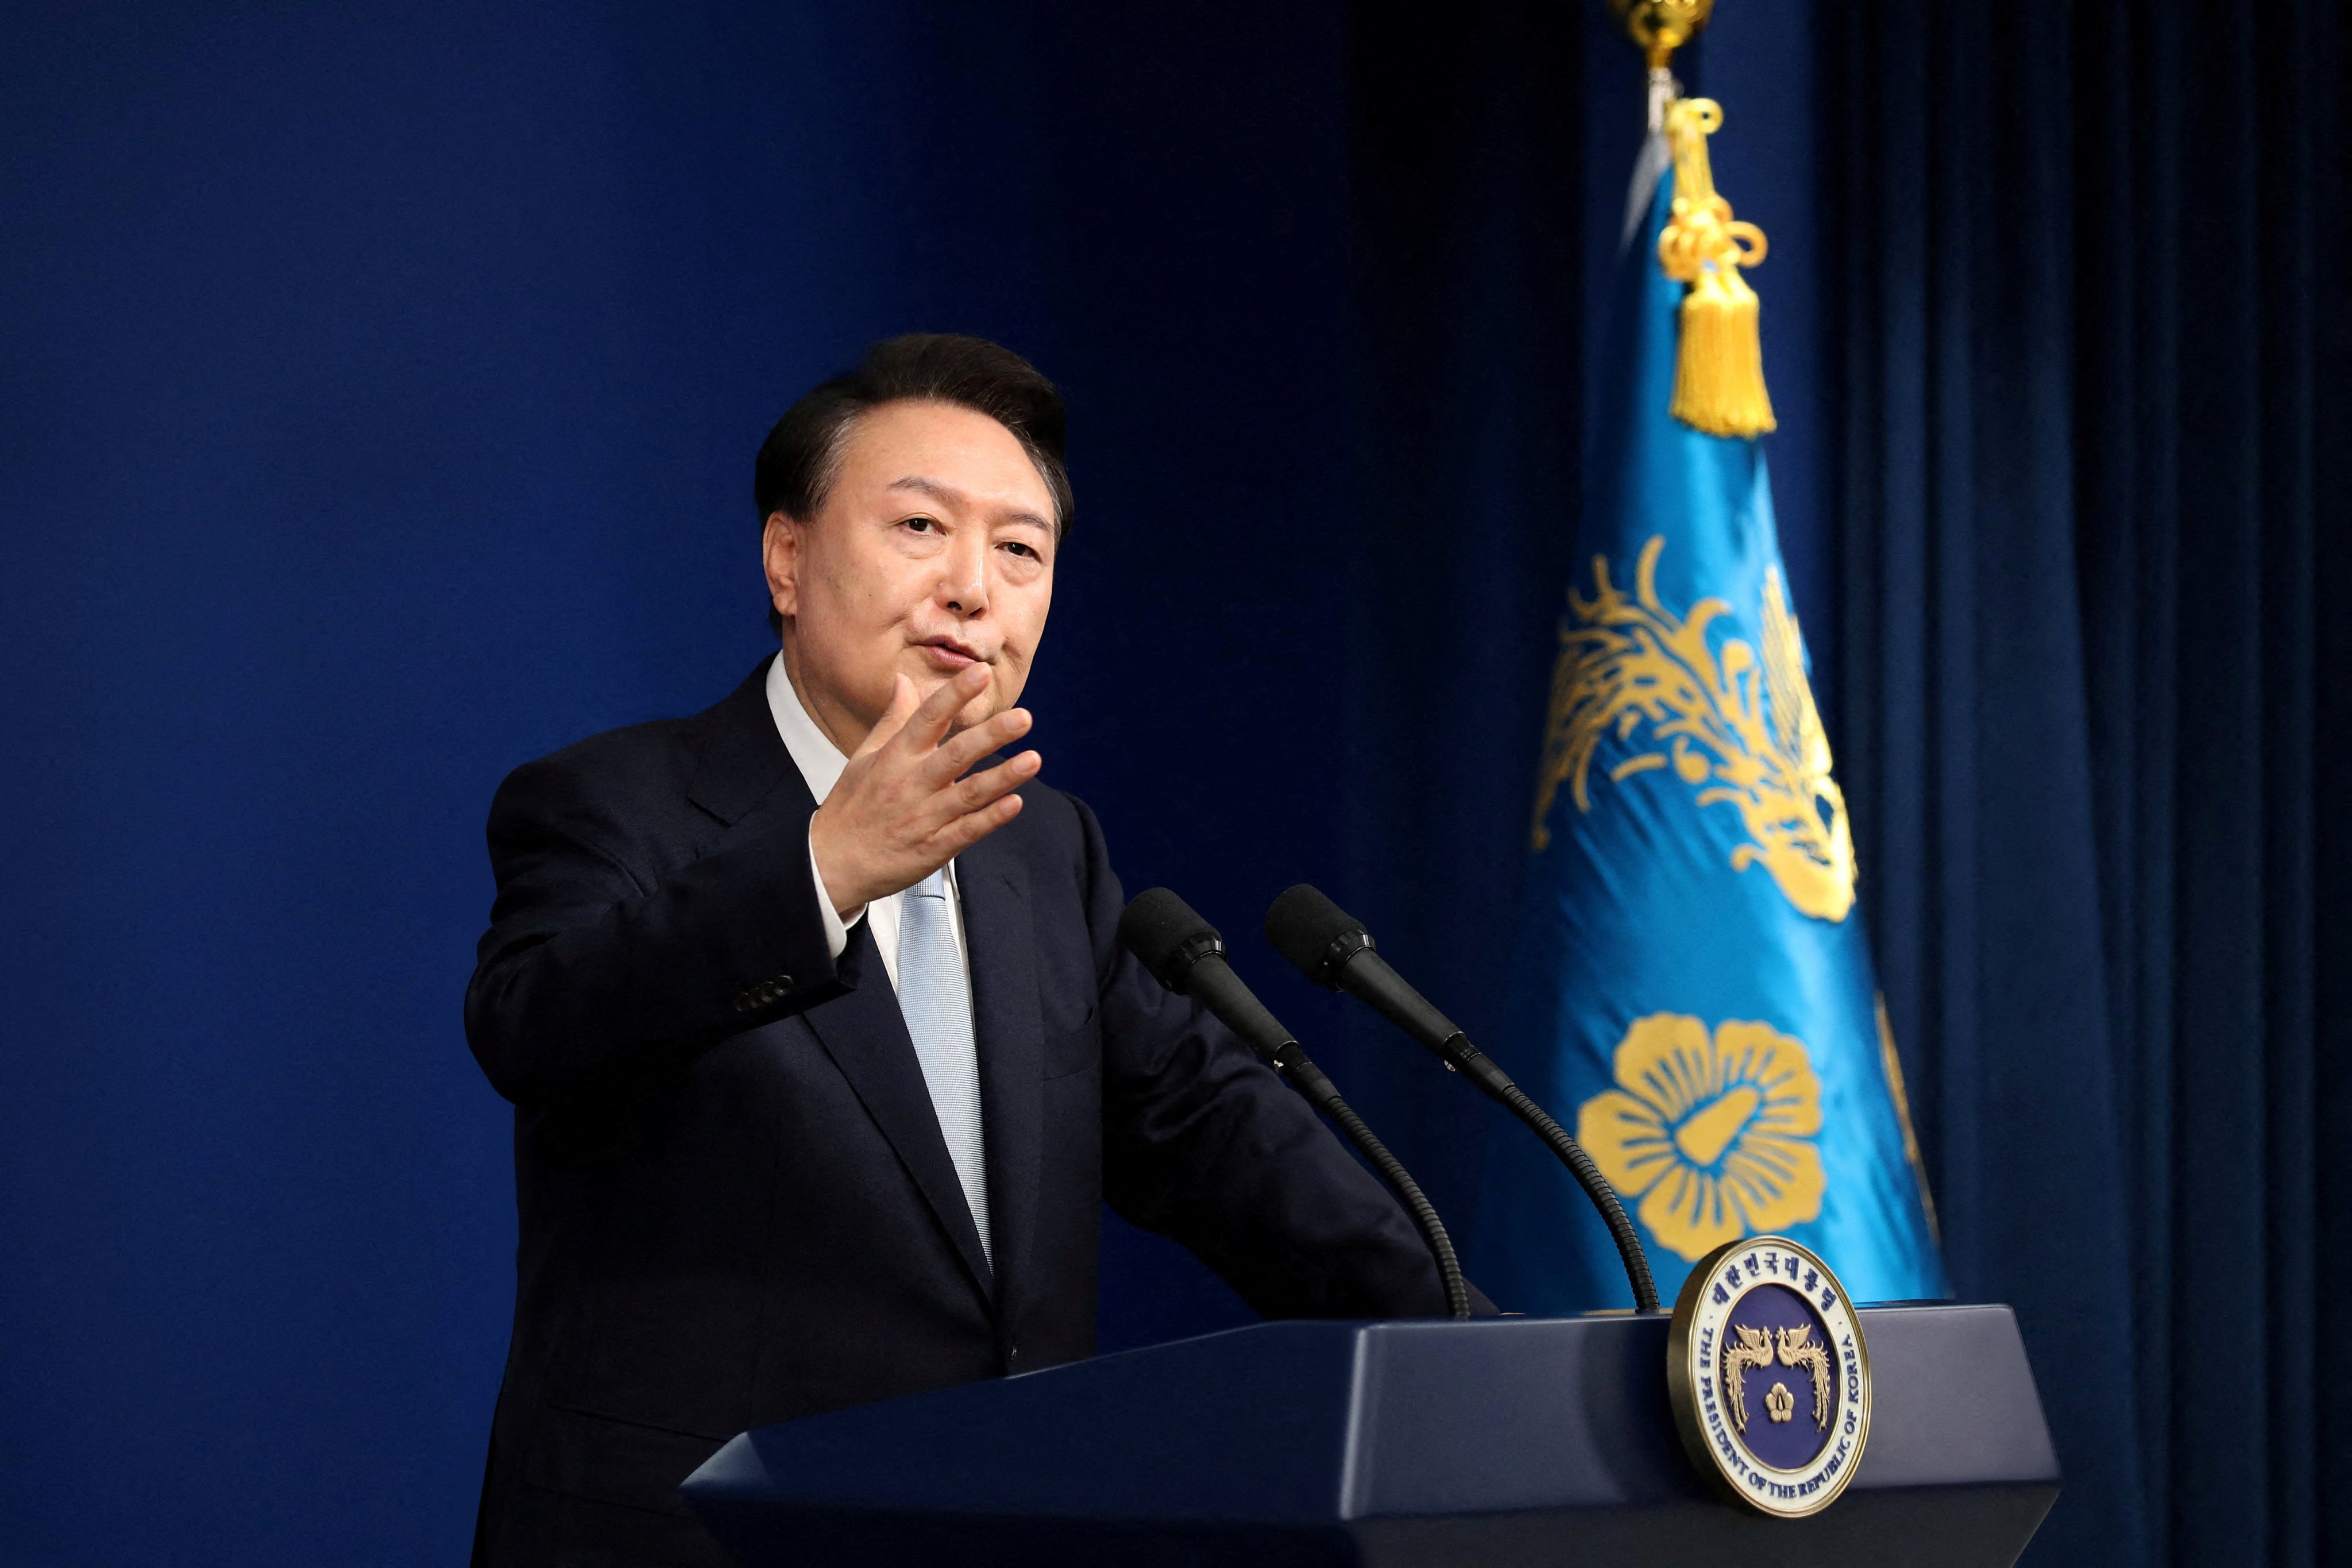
(836, 929)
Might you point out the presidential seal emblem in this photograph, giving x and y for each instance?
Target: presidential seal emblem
(1768, 1376)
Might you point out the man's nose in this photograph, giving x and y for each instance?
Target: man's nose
(963, 585)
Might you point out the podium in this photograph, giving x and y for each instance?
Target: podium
(1401, 1445)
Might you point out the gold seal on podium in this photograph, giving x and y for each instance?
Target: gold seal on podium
(1768, 1376)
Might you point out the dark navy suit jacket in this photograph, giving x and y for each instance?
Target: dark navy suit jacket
(736, 1204)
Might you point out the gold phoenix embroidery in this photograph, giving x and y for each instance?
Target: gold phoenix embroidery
(1711, 1132)
(1743, 733)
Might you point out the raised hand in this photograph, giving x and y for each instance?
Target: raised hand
(902, 807)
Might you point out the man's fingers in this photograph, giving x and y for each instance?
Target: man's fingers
(903, 704)
(980, 790)
(974, 825)
(975, 744)
(956, 799)
(931, 721)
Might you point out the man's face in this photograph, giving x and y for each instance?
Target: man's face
(934, 551)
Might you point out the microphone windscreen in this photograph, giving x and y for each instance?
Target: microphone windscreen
(1156, 928)
(1303, 925)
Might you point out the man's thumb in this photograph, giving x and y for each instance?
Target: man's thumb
(904, 701)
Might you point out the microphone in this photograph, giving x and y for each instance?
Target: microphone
(1184, 953)
(1332, 949)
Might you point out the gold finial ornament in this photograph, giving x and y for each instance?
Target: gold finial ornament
(1662, 26)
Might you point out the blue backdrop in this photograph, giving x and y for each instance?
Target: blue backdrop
(382, 387)
(378, 388)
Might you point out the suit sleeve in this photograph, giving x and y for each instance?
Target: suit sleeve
(601, 965)
(1205, 1143)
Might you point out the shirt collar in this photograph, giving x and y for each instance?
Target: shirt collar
(818, 759)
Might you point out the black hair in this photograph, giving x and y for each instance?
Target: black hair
(802, 457)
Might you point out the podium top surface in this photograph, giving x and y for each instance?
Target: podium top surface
(1316, 1424)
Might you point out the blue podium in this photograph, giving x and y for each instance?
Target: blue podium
(1497, 1443)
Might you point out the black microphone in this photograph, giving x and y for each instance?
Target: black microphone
(1333, 949)
(1184, 952)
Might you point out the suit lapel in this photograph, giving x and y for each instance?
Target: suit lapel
(742, 762)
(866, 1035)
(742, 759)
(1008, 1026)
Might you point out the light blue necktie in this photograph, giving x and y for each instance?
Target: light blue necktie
(935, 995)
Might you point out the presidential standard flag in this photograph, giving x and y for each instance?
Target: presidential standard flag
(1696, 999)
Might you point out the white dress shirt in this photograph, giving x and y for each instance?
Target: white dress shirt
(820, 763)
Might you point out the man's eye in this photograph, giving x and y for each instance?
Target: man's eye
(1020, 549)
(923, 525)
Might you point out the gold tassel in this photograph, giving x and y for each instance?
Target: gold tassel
(1720, 364)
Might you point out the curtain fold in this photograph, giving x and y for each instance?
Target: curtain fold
(2094, 432)
(1464, 147)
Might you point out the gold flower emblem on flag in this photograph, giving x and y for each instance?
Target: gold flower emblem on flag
(1741, 731)
(1713, 1131)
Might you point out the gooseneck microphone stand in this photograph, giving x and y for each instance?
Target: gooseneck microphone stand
(1184, 953)
(1334, 950)
(1321, 1093)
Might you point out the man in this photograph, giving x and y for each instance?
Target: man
(822, 1051)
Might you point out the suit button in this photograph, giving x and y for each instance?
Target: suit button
(1012, 1355)
(745, 1002)
(782, 983)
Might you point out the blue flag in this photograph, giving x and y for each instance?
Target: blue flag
(1694, 992)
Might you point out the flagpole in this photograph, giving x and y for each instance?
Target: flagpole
(1660, 28)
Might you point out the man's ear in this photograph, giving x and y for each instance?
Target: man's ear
(780, 551)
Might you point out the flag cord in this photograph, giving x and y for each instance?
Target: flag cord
(1719, 365)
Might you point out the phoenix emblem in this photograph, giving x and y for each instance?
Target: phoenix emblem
(1757, 1348)
(1797, 1347)
(1747, 1347)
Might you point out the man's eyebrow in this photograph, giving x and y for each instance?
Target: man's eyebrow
(949, 495)
(931, 488)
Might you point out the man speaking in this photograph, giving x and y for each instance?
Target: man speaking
(823, 1051)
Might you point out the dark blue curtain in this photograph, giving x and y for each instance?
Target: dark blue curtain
(1469, 225)
(2092, 546)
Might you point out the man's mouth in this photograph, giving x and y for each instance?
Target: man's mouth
(947, 653)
